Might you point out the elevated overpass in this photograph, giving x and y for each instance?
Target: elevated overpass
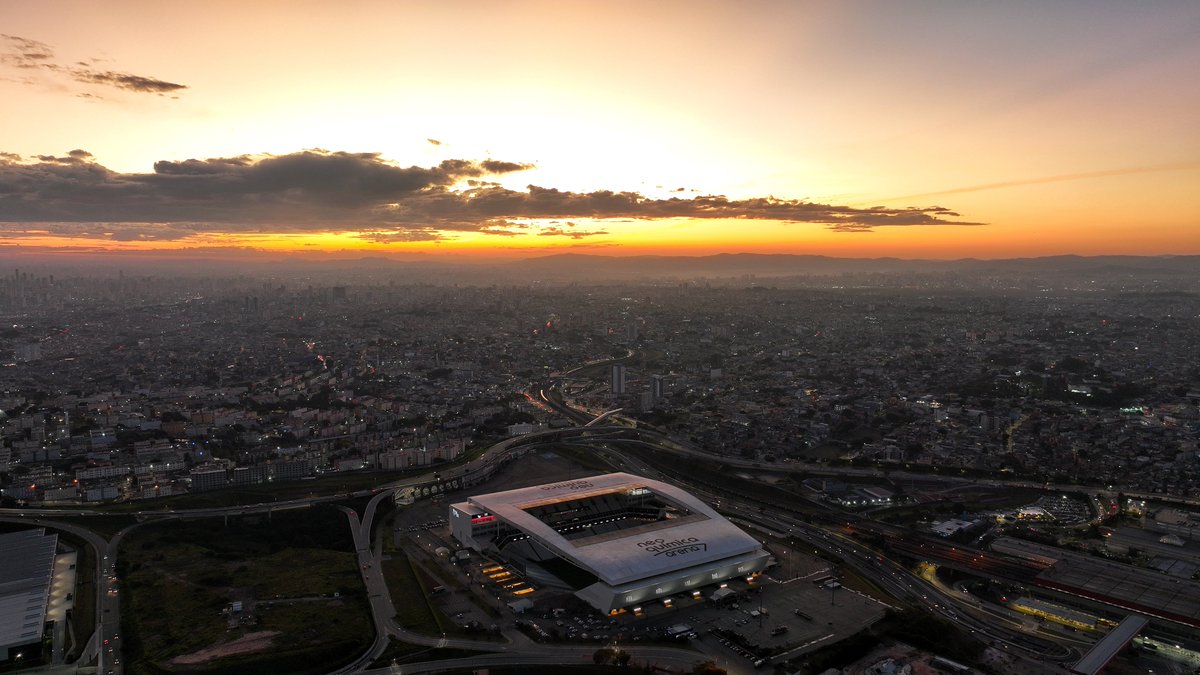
(603, 416)
(1110, 645)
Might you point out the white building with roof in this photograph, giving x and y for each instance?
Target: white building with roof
(26, 570)
(616, 539)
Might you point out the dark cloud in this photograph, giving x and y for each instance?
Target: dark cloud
(203, 167)
(496, 166)
(73, 157)
(319, 189)
(484, 203)
(127, 81)
(573, 234)
(106, 231)
(25, 54)
(304, 189)
(401, 236)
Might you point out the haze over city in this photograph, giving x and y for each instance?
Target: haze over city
(532, 338)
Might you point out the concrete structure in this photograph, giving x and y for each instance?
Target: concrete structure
(948, 528)
(1146, 592)
(616, 540)
(657, 387)
(1059, 614)
(1111, 645)
(208, 478)
(26, 570)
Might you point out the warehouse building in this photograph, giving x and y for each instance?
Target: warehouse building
(26, 570)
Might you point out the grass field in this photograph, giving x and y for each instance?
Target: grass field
(409, 587)
(413, 611)
(179, 576)
(822, 451)
(853, 580)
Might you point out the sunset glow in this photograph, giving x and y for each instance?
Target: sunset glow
(916, 130)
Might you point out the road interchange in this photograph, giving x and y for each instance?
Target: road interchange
(617, 442)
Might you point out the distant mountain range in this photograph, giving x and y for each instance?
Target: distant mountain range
(569, 267)
(573, 265)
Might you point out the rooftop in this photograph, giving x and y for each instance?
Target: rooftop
(26, 569)
(1146, 591)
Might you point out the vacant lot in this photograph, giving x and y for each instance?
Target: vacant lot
(294, 574)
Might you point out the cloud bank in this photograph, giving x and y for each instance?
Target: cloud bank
(319, 190)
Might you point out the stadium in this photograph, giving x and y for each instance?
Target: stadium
(616, 540)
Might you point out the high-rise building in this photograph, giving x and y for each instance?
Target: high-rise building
(657, 387)
(618, 379)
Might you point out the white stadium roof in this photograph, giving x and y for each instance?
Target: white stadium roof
(624, 556)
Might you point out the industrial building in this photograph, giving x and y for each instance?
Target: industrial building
(26, 570)
(616, 540)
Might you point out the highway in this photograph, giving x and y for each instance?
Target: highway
(383, 614)
(997, 629)
(548, 394)
(893, 578)
(608, 439)
(105, 641)
(551, 655)
(382, 611)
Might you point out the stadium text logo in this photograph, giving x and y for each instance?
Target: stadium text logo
(569, 485)
(674, 547)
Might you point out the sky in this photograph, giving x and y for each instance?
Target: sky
(509, 129)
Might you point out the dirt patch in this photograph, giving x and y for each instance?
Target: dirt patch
(247, 644)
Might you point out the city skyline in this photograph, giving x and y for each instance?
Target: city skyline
(861, 130)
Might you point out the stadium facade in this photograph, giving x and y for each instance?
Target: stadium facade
(616, 539)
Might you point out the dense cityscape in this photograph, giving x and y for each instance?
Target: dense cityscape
(147, 380)
(1047, 421)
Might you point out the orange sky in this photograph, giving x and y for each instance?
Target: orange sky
(1067, 128)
